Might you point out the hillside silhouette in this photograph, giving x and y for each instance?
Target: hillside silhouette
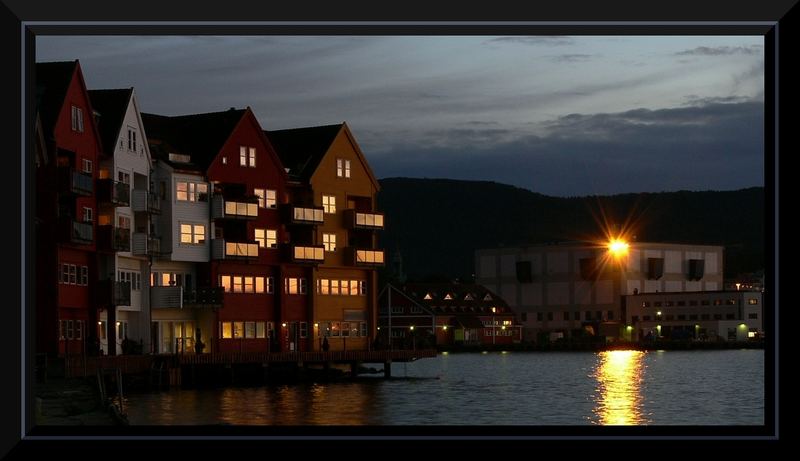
(437, 224)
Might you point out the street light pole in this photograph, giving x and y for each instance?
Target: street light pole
(493, 330)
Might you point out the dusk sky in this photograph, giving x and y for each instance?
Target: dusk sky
(559, 115)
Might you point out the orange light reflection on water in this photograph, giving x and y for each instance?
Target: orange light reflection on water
(619, 376)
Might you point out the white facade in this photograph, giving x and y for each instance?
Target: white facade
(549, 287)
(175, 212)
(130, 164)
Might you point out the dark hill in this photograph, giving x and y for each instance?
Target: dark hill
(437, 224)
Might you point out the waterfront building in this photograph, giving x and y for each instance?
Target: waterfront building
(430, 314)
(125, 202)
(332, 223)
(702, 315)
(222, 185)
(68, 290)
(576, 289)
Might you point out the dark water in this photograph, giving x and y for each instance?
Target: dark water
(561, 388)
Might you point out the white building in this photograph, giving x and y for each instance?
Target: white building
(123, 214)
(576, 288)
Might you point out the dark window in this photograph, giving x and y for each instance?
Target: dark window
(588, 268)
(646, 304)
(577, 316)
(549, 316)
(524, 273)
(646, 318)
(599, 315)
(566, 315)
(693, 303)
(752, 315)
(539, 316)
(696, 269)
(635, 318)
(717, 316)
(681, 303)
(729, 316)
(670, 317)
(705, 317)
(588, 315)
(657, 304)
(693, 317)
(704, 302)
(655, 268)
(668, 303)
(681, 317)
(610, 315)
(524, 316)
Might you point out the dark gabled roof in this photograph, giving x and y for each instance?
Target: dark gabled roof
(111, 105)
(302, 149)
(199, 135)
(52, 83)
(459, 291)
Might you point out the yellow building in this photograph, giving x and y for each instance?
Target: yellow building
(328, 171)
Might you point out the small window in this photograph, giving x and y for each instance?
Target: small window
(342, 168)
(539, 316)
(448, 296)
(524, 316)
(87, 165)
(752, 315)
(224, 160)
(87, 214)
(303, 329)
(428, 296)
(77, 119)
(329, 204)
(752, 301)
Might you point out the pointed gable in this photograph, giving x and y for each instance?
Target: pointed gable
(52, 82)
(112, 106)
(302, 149)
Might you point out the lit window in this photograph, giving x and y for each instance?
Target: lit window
(296, 286)
(334, 287)
(267, 198)
(250, 329)
(242, 156)
(193, 234)
(191, 191)
(362, 287)
(329, 241)
(238, 329)
(260, 237)
(342, 168)
(448, 296)
(238, 286)
(272, 238)
(324, 286)
(428, 296)
(752, 301)
(259, 284)
(224, 160)
(260, 330)
(249, 285)
(227, 330)
(225, 282)
(329, 204)
(252, 157)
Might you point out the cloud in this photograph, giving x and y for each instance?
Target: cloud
(721, 50)
(713, 146)
(545, 40)
(570, 57)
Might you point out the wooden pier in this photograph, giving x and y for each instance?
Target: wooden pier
(171, 365)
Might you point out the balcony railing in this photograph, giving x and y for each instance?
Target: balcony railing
(242, 209)
(307, 253)
(111, 292)
(114, 238)
(145, 244)
(204, 297)
(222, 249)
(113, 192)
(166, 297)
(76, 182)
(305, 215)
(79, 233)
(359, 220)
(365, 257)
(144, 201)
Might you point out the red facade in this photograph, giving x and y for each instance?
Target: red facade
(74, 144)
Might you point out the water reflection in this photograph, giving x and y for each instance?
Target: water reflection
(619, 378)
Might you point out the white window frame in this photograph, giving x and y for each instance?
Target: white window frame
(329, 204)
(77, 119)
(87, 165)
(193, 233)
(84, 280)
(252, 157)
(329, 241)
(87, 214)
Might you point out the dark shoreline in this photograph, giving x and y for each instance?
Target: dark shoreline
(599, 347)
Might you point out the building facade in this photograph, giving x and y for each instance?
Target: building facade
(68, 288)
(428, 314)
(708, 316)
(569, 290)
(124, 180)
(333, 224)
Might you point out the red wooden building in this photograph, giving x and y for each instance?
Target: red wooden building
(66, 173)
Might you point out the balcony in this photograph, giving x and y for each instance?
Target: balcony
(79, 233)
(222, 249)
(204, 297)
(358, 220)
(304, 215)
(230, 209)
(75, 182)
(143, 201)
(145, 245)
(114, 192)
(112, 238)
(113, 293)
(364, 257)
(166, 297)
(306, 253)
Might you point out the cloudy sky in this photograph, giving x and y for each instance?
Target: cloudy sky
(558, 115)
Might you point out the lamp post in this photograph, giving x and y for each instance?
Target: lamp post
(413, 338)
